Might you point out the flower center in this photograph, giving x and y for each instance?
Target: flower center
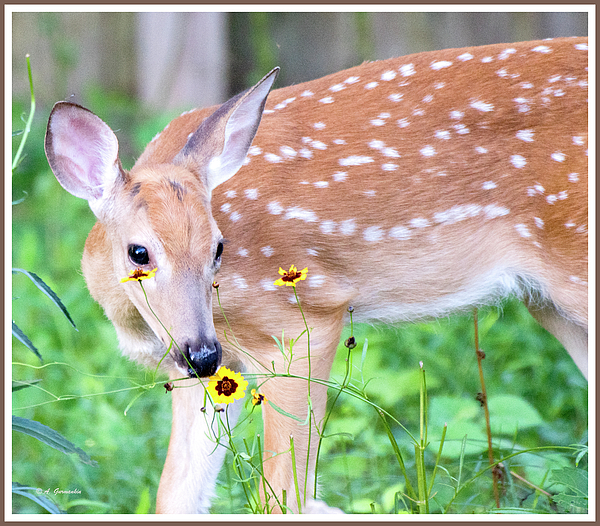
(291, 276)
(226, 386)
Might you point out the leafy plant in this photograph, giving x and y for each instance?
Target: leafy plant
(29, 427)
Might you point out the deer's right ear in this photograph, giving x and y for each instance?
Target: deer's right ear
(218, 148)
(83, 153)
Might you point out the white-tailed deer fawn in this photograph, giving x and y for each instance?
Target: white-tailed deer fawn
(410, 188)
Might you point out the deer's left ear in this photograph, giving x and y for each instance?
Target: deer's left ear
(83, 153)
(218, 148)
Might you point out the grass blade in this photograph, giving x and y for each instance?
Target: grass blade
(39, 283)
(20, 335)
(50, 437)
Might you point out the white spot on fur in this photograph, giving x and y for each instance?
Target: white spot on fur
(441, 64)
(573, 177)
(373, 233)
(481, 149)
(328, 226)
(307, 93)
(482, 106)
(522, 230)
(465, 56)
(456, 115)
(493, 211)
(268, 285)
(371, 85)
(235, 216)
(388, 75)
(239, 282)
(355, 160)
(525, 135)
(428, 151)
(522, 104)
(456, 213)
(442, 134)
(541, 49)
(518, 161)
(538, 222)
(506, 53)
(340, 176)
(252, 194)
(267, 251)
(400, 232)
(243, 252)
(312, 252)
(316, 281)
(581, 47)
(407, 70)
(254, 150)
(488, 185)
(319, 125)
(288, 152)
(419, 222)
(321, 184)
(274, 208)
(225, 207)
(272, 158)
(559, 157)
(389, 167)
(347, 227)
(395, 97)
(326, 100)
(403, 123)
(295, 212)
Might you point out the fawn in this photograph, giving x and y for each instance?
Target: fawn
(410, 188)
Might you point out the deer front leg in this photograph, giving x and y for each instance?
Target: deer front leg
(195, 455)
(283, 433)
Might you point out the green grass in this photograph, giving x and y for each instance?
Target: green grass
(537, 396)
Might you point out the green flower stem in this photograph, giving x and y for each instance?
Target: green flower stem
(423, 502)
(311, 412)
(297, 489)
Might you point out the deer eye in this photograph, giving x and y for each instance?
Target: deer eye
(219, 251)
(138, 255)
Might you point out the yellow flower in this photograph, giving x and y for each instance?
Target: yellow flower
(138, 275)
(258, 398)
(226, 386)
(292, 276)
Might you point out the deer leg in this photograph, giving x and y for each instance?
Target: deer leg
(307, 402)
(195, 452)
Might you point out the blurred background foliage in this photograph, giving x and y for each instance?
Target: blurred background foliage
(137, 71)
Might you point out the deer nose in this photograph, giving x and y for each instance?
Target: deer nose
(202, 358)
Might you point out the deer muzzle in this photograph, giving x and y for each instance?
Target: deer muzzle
(200, 358)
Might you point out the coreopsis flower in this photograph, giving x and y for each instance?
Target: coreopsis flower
(292, 276)
(258, 398)
(138, 275)
(226, 386)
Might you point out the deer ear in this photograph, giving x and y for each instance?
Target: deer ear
(83, 153)
(218, 148)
